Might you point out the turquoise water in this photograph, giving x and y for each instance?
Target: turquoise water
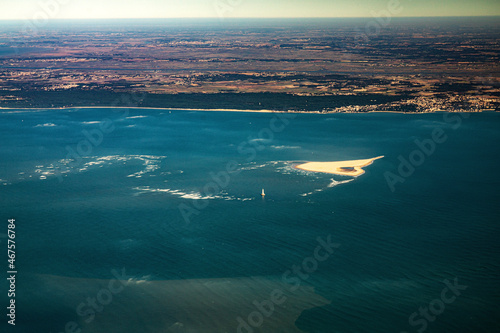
(173, 198)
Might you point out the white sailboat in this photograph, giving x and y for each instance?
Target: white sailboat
(263, 194)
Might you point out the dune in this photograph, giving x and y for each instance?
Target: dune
(344, 168)
(175, 306)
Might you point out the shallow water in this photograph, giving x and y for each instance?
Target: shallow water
(175, 195)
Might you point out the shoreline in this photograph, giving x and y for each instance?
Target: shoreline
(352, 168)
(234, 110)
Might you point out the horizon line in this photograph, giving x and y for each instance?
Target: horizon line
(246, 18)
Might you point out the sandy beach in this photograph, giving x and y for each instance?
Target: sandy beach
(225, 110)
(345, 168)
(156, 108)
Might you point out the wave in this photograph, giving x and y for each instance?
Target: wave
(261, 140)
(151, 165)
(254, 165)
(90, 122)
(42, 172)
(333, 183)
(63, 167)
(136, 117)
(191, 195)
(339, 182)
(309, 193)
(286, 147)
(288, 169)
(46, 125)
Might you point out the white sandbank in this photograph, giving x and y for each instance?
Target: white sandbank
(344, 168)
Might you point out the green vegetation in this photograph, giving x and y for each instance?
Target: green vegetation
(248, 101)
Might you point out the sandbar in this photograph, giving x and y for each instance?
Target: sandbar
(344, 168)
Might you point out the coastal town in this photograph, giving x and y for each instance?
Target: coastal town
(290, 67)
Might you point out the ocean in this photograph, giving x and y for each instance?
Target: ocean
(151, 220)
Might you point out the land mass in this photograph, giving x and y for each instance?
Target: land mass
(343, 168)
(409, 65)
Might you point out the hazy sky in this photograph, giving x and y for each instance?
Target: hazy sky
(30, 9)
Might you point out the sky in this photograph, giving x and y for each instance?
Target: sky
(95, 9)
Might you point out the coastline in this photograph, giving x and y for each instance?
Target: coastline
(156, 108)
(236, 110)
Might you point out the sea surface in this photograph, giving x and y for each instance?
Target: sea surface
(158, 215)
